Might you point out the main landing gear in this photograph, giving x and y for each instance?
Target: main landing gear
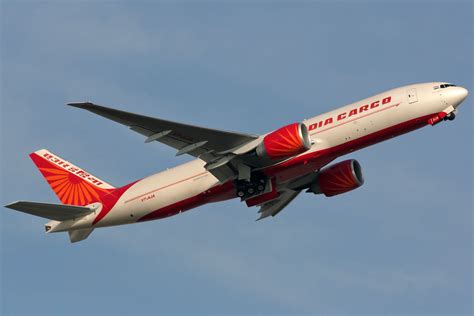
(248, 188)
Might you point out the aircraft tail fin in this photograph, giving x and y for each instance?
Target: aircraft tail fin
(72, 185)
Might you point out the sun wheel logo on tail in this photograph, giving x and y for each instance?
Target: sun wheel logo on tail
(75, 186)
(72, 185)
(285, 142)
(70, 189)
(340, 178)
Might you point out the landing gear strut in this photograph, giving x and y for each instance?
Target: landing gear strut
(252, 187)
(451, 116)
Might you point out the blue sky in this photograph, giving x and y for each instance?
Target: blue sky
(400, 245)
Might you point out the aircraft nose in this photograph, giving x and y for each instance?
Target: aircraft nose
(456, 95)
(463, 93)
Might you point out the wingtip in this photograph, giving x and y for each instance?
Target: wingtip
(81, 105)
(12, 205)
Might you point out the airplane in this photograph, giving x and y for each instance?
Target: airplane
(267, 171)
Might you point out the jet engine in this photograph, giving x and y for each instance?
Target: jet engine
(339, 178)
(285, 142)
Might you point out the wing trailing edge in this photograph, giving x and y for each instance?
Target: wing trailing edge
(275, 206)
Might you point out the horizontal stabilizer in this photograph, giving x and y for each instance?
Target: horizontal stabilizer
(58, 212)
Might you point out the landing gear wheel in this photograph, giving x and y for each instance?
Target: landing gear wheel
(256, 185)
(451, 116)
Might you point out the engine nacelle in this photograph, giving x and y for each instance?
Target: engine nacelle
(285, 142)
(340, 178)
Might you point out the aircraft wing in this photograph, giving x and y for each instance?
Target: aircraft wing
(275, 206)
(204, 143)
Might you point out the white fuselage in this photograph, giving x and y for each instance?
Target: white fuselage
(329, 130)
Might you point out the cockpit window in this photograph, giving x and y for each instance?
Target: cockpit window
(447, 85)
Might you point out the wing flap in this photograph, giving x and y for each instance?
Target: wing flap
(58, 212)
(275, 206)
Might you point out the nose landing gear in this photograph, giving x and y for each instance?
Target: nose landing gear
(451, 116)
(447, 114)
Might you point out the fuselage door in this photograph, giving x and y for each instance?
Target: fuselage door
(412, 96)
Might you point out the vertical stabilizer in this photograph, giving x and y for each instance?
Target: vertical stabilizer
(72, 185)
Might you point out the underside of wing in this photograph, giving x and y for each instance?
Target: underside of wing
(273, 207)
(58, 212)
